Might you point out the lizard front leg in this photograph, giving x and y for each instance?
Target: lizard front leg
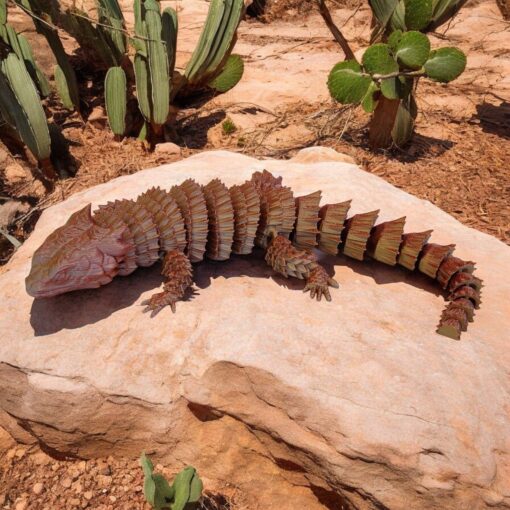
(178, 271)
(288, 260)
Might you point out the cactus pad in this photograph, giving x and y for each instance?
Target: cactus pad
(445, 64)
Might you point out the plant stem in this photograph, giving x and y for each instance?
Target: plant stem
(409, 74)
(337, 34)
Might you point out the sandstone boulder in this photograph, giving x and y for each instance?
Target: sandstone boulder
(356, 403)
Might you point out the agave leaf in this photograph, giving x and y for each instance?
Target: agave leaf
(116, 99)
(37, 75)
(3, 12)
(383, 9)
(369, 102)
(62, 88)
(397, 21)
(112, 8)
(413, 50)
(443, 11)
(445, 64)
(378, 59)
(25, 107)
(418, 14)
(12, 37)
(347, 83)
(230, 75)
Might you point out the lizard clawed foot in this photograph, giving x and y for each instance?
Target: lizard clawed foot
(158, 301)
(318, 283)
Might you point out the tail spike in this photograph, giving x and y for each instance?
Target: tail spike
(307, 220)
(462, 278)
(451, 266)
(385, 240)
(357, 232)
(466, 305)
(411, 247)
(332, 218)
(432, 256)
(221, 220)
(466, 291)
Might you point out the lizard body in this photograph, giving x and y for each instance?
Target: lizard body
(190, 222)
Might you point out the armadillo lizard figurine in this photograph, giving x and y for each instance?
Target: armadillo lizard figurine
(191, 221)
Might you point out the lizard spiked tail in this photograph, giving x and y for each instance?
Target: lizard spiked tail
(192, 221)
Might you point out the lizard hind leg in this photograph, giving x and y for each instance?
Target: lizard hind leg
(288, 260)
(178, 272)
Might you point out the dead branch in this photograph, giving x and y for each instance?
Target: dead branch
(337, 34)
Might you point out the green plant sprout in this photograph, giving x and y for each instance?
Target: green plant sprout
(184, 493)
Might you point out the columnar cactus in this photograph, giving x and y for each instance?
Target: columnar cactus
(211, 56)
(184, 493)
(385, 81)
(116, 99)
(152, 63)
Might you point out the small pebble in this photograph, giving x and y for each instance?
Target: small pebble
(21, 505)
(66, 483)
(38, 488)
(88, 495)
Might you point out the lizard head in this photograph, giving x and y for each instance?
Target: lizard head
(79, 255)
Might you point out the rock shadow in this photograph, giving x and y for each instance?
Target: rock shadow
(80, 308)
(494, 119)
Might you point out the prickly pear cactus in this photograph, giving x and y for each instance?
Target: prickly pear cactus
(385, 81)
(184, 493)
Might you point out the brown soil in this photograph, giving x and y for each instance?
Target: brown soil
(32, 480)
(271, 10)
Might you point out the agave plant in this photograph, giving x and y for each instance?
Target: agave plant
(22, 84)
(183, 494)
(385, 81)
(65, 77)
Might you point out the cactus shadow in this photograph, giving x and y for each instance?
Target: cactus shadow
(192, 130)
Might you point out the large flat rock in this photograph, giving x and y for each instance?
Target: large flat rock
(300, 404)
